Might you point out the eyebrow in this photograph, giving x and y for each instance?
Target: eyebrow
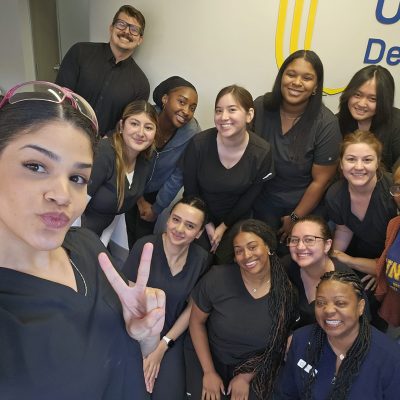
(54, 156)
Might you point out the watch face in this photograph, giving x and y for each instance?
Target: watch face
(171, 343)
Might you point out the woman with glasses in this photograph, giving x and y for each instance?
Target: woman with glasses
(175, 101)
(310, 245)
(240, 321)
(68, 321)
(305, 139)
(367, 104)
(121, 166)
(341, 357)
(361, 206)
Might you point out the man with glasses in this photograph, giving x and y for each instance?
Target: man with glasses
(105, 74)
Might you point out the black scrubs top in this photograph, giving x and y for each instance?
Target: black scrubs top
(56, 343)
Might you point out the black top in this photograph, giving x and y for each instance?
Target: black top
(177, 288)
(295, 152)
(229, 193)
(103, 205)
(306, 309)
(89, 69)
(238, 325)
(56, 343)
(369, 234)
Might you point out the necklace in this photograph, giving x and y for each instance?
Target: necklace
(79, 272)
(340, 356)
(254, 290)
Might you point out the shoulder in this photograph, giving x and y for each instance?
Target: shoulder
(81, 240)
(259, 143)
(303, 334)
(205, 137)
(336, 188)
(394, 224)
(384, 347)
(105, 150)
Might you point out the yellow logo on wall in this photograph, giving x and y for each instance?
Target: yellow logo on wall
(295, 33)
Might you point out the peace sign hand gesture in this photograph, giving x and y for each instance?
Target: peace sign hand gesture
(143, 307)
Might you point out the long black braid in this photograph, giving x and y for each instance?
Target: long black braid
(283, 311)
(351, 364)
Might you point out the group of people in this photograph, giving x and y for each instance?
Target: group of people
(271, 277)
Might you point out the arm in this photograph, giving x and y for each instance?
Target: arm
(342, 237)
(321, 178)
(366, 265)
(69, 69)
(143, 308)
(212, 382)
(152, 362)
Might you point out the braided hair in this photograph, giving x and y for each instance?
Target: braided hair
(355, 356)
(283, 311)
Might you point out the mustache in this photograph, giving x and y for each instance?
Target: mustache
(124, 35)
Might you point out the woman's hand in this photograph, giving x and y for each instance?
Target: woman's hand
(146, 211)
(143, 308)
(239, 386)
(372, 283)
(285, 229)
(217, 237)
(342, 257)
(151, 365)
(212, 386)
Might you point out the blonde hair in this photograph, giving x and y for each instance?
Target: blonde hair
(121, 162)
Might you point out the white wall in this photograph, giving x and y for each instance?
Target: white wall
(73, 23)
(214, 43)
(16, 54)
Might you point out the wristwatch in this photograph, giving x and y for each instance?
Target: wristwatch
(294, 217)
(170, 342)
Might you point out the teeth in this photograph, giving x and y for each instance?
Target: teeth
(251, 264)
(333, 322)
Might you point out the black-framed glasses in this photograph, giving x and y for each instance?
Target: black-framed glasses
(308, 240)
(395, 190)
(47, 91)
(134, 30)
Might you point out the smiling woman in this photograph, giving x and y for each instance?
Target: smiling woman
(60, 319)
(341, 357)
(176, 266)
(121, 166)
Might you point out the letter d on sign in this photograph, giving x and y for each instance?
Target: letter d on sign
(367, 58)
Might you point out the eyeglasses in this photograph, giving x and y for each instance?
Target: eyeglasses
(394, 190)
(134, 30)
(47, 91)
(308, 240)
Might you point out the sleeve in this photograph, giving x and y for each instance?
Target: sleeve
(333, 201)
(286, 388)
(201, 293)
(68, 73)
(264, 173)
(327, 146)
(168, 191)
(190, 165)
(132, 262)
(103, 165)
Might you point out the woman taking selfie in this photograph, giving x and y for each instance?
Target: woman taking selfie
(305, 139)
(176, 266)
(367, 104)
(227, 166)
(241, 318)
(341, 357)
(64, 332)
